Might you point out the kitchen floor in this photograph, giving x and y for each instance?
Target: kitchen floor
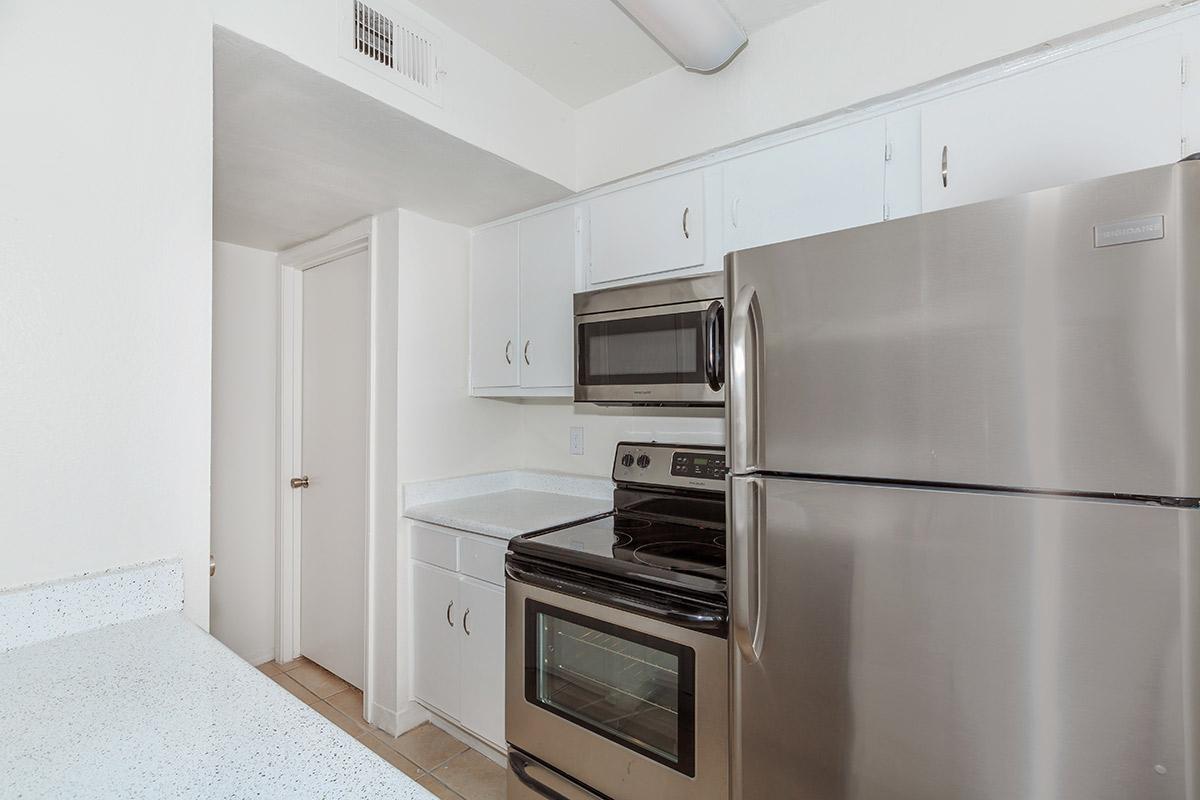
(439, 762)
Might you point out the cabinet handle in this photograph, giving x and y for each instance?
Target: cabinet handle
(508, 352)
(734, 208)
(527, 342)
(945, 165)
(686, 235)
(466, 616)
(449, 621)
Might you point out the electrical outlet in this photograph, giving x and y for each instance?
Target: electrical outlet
(576, 441)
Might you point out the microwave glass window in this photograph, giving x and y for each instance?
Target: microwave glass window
(628, 687)
(667, 348)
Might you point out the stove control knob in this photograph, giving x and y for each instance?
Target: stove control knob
(643, 461)
(627, 460)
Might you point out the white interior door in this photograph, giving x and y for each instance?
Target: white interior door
(335, 406)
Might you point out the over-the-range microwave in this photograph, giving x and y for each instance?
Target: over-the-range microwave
(652, 344)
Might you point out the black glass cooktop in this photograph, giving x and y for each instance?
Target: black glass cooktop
(663, 552)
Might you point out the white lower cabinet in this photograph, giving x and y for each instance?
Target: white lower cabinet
(436, 637)
(481, 673)
(458, 628)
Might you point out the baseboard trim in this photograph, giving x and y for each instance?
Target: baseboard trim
(398, 722)
(498, 755)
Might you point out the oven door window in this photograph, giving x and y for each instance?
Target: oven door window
(634, 689)
(646, 350)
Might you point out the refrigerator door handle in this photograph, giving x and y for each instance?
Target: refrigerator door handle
(746, 601)
(744, 378)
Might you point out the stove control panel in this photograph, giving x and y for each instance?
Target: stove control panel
(682, 466)
(688, 464)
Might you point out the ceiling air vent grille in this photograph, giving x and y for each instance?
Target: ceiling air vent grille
(389, 45)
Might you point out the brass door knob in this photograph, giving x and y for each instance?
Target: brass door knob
(300, 483)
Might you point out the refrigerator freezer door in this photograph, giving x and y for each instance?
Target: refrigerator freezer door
(926, 644)
(1046, 341)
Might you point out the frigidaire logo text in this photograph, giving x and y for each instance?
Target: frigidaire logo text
(1126, 231)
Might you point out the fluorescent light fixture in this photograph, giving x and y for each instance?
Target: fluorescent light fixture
(700, 34)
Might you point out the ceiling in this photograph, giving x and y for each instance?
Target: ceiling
(297, 154)
(579, 50)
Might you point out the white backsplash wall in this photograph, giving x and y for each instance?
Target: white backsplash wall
(547, 430)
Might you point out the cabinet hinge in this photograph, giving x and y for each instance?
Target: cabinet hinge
(887, 151)
(1183, 70)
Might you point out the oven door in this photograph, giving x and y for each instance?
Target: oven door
(630, 706)
(666, 355)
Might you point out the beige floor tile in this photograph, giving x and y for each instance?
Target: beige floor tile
(438, 789)
(290, 665)
(318, 680)
(427, 746)
(269, 668)
(349, 702)
(391, 756)
(474, 776)
(341, 720)
(299, 691)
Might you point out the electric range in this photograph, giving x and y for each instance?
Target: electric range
(617, 659)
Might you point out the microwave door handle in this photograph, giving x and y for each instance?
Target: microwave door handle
(714, 349)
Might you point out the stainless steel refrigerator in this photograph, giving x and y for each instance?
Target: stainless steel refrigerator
(964, 535)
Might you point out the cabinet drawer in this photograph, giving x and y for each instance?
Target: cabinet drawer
(435, 547)
(483, 560)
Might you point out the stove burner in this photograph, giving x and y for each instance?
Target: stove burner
(631, 524)
(620, 539)
(719, 541)
(697, 557)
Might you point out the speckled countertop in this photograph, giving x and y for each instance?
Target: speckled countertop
(507, 504)
(156, 708)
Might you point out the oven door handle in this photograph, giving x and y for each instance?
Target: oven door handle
(685, 615)
(545, 782)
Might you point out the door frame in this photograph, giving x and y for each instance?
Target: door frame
(354, 238)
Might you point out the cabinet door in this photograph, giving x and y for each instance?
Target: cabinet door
(547, 285)
(1096, 114)
(483, 659)
(494, 307)
(826, 182)
(655, 227)
(437, 613)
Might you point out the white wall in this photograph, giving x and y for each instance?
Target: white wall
(105, 289)
(486, 102)
(441, 431)
(546, 427)
(828, 57)
(244, 419)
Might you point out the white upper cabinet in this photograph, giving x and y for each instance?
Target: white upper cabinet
(495, 329)
(1101, 113)
(652, 228)
(547, 277)
(822, 183)
(522, 282)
